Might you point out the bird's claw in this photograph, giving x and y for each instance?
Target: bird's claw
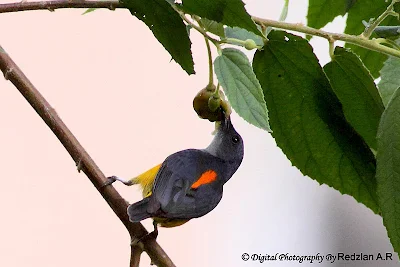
(137, 241)
(153, 234)
(110, 180)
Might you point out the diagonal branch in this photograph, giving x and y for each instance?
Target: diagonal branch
(52, 5)
(136, 251)
(84, 162)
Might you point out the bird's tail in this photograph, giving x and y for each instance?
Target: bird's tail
(138, 211)
(146, 180)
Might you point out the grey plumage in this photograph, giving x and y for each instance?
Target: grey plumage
(173, 195)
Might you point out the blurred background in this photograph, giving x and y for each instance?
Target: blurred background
(115, 87)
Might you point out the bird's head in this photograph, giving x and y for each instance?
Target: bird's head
(227, 143)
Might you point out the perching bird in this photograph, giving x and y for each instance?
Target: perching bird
(189, 183)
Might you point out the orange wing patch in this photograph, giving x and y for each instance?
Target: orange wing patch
(206, 178)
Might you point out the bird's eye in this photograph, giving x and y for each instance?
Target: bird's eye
(235, 139)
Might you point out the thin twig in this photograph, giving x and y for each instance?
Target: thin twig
(52, 5)
(194, 26)
(82, 159)
(359, 41)
(370, 28)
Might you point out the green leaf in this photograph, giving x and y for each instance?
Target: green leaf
(372, 60)
(307, 120)
(213, 27)
(390, 79)
(320, 12)
(241, 86)
(89, 10)
(356, 90)
(228, 12)
(350, 3)
(242, 34)
(167, 26)
(364, 11)
(388, 169)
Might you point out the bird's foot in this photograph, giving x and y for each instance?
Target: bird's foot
(136, 241)
(152, 235)
(110, 181)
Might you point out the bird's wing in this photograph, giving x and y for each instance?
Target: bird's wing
(183, 188)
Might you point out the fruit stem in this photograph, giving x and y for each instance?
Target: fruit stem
(332, 48)
(217, 91)
(210, 63)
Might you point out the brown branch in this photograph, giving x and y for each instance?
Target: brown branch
(52, 5)
(136, 251)
(84, 162)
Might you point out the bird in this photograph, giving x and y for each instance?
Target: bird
(189, 183)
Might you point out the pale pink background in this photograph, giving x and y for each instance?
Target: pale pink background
(114, 85)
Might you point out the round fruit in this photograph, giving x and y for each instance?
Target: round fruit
(249, 44)
(202, 107)
(211, 105)
(214, 102)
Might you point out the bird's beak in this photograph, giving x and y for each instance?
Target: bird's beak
(226, 122)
